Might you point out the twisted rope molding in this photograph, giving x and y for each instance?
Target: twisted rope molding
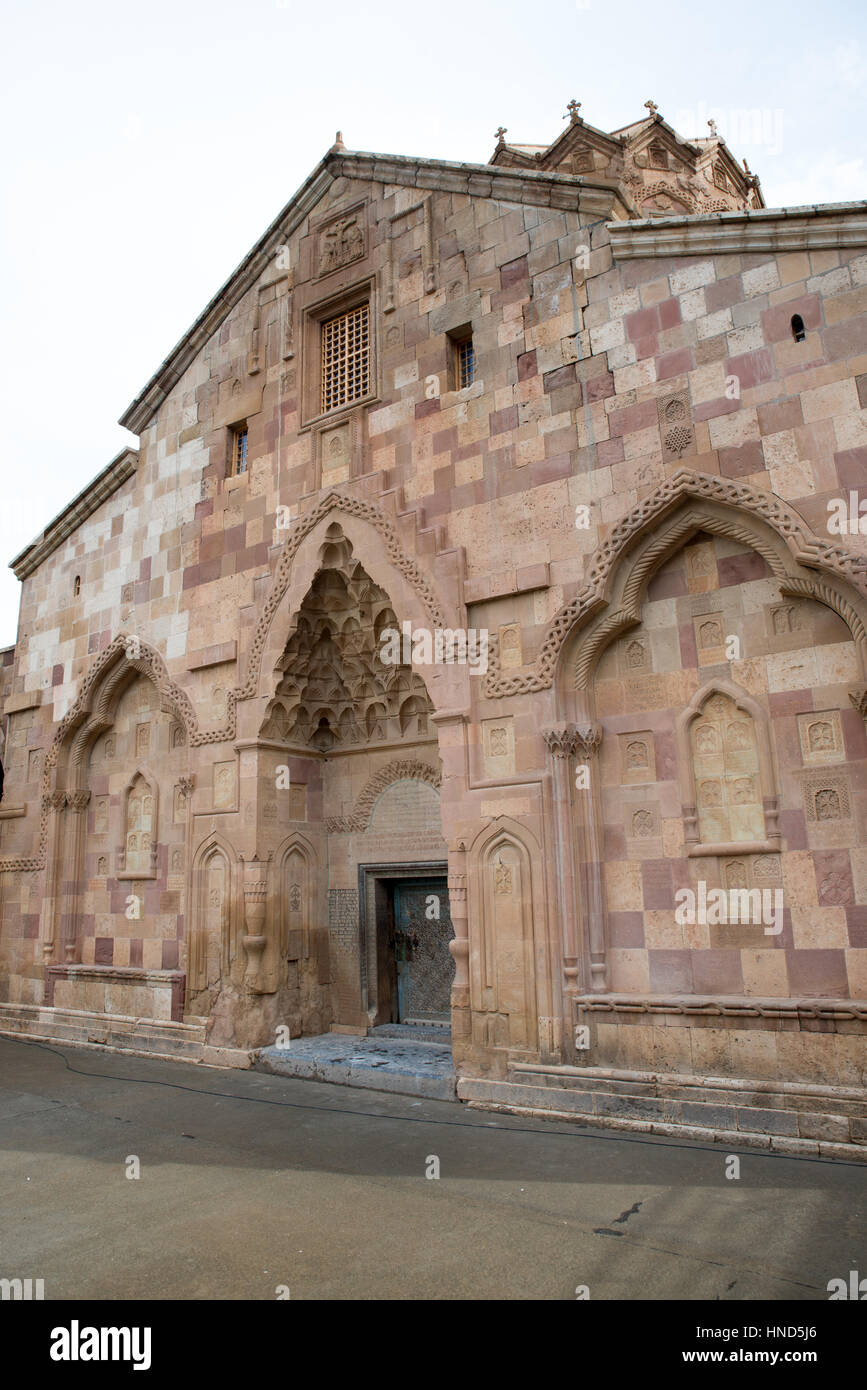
(805, 547)
(395, 771)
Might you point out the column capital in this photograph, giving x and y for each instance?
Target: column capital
(573, 740)
(79, 799)
(859, 700)
(561, 739)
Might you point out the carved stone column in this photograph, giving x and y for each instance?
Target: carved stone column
(588, 742)
(78, 802)
(255, 903)
(562, 741)
(859, 700)
(55, 805)
(459, 945)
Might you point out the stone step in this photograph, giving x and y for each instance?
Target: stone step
(151, 1037)
(832, 1133)
(722, 1091)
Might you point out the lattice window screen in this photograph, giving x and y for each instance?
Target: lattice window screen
(345, 358)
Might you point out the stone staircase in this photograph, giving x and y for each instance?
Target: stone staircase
(783, 1117)
(150, 1037)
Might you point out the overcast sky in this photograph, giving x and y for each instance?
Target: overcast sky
(147, 146)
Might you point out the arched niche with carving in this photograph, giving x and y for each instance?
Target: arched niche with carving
(727, 777)
(296, 894)
(508, 941)
(136, 855)
(212, 937)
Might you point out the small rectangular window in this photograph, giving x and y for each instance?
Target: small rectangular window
(238, 462)
(345, 358)
(465, 363)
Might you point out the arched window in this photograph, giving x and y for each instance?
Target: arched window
(799, 332)
(76, 586)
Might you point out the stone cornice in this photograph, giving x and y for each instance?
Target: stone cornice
(820, 227)
(599, 197)
(78, 510)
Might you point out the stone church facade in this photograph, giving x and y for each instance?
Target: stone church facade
(584, 414)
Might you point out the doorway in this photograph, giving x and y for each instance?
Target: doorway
(406, 928)
(424, 966)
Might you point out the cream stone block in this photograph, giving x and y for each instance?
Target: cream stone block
(690, 277)
(629, 971)
(152, 955)
(693, 306)
(623, 886)
(714, 324)
(661, 931)
(608, 335)
(851, 430)
(856, 969)
(765, 973)
(836, 399)
(654, 291)
(754, 1054)
(747, 339)
(819, 928)
(630, 378)
(761, 279)
(832, 282)
(405, 373)
(836, 663)
(730, 431)
(469, 470)
(791, 670)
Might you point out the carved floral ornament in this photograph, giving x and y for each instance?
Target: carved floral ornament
(746, 508)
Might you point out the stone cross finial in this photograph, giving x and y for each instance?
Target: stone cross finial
(652, 107)
(572, 109)
(500, 133)
(338, 141)
(712, 125)
(747, 169)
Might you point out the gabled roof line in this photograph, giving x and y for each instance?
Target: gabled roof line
(122, 466)
(539, 187)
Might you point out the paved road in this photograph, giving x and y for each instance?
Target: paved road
(251, 1181)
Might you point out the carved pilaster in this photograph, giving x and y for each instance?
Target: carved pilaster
(562, 742)
(255, 903)
(288, 348)
(77, 802)
(459, 946)
(55, 805)
(589, 741)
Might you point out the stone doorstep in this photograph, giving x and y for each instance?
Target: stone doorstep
(739, 1123)
(372, 1078)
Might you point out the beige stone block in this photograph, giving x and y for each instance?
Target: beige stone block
(819, 928)
(730, 431)
(623, 886)
(836, 399)
(629, 970)
(765, 973)
(690, 277)
(856, 970)
(661, 931)
(754, 1054)
(799, 879)
(711, 1051)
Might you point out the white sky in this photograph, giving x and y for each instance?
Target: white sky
(147, 146)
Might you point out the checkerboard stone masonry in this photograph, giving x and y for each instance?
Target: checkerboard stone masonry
(651, 390)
